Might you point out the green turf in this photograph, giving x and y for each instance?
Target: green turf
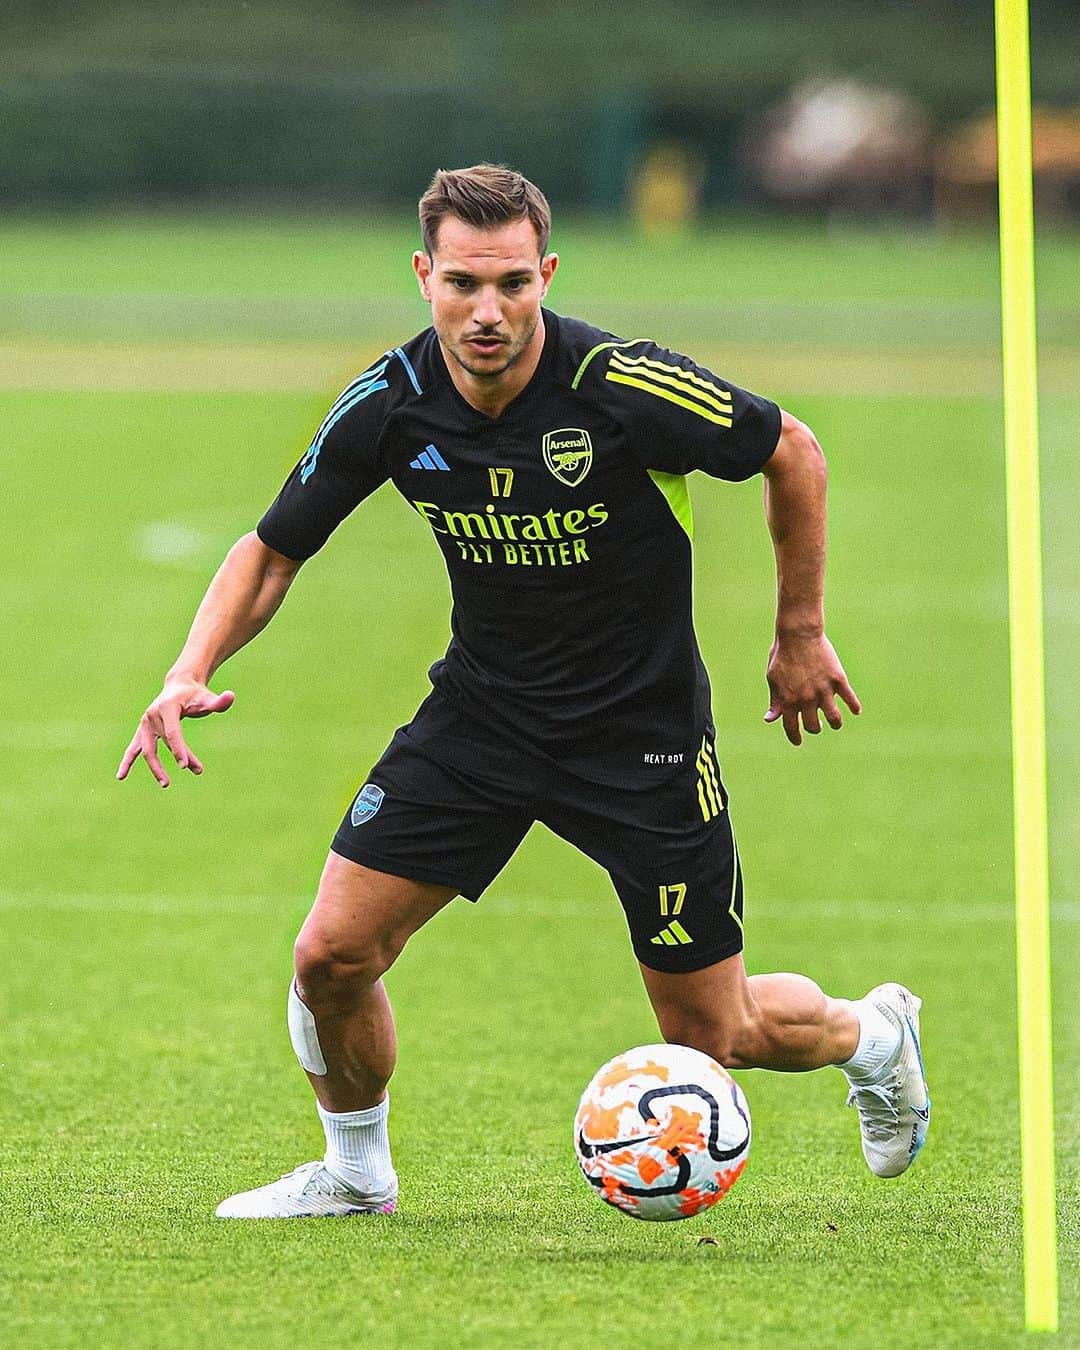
(749, 259)
(148, 934)
(278, 277)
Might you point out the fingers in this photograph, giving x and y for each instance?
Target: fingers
(790, 719)
(810, 718)
(131, 754)
(173, 738)
(161, 722)
(849, 696)
(810, 713)
(145, 743)
(790, 715)
(805, 680)
(148, 739)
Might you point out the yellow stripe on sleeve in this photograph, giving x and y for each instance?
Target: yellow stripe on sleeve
(671, 398)
(602, 347)
(676, 382)
(624, 362)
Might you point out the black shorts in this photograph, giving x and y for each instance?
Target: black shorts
(449, 802)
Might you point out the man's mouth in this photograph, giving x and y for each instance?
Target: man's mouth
(486, 346)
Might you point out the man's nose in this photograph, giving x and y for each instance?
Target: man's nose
(486, 311)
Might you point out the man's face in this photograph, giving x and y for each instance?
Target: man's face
(485, 289)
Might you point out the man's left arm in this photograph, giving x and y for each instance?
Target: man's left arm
(804, 673)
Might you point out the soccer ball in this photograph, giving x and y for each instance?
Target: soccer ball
(662, 1132)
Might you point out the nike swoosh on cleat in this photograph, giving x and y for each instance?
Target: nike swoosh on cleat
(918, 1047)
(923, 1112)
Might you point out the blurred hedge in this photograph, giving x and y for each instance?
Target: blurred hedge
(339, 102)
(170, 136)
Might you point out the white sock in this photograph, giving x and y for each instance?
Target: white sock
(358, 1146)
(879, 1040)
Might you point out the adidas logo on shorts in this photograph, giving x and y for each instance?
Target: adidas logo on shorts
(674, 935)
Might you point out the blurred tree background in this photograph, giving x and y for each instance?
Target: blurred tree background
(343, 103)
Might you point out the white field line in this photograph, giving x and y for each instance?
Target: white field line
(891, 909)
(161, 904)
(172, 541)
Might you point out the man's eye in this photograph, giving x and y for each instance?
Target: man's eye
(517, 284)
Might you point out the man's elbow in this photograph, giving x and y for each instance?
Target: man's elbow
(268, 559)
(797, 450)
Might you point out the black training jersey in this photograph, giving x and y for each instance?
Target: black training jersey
(565, 525)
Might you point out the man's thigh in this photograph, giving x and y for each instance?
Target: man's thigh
(359, 913)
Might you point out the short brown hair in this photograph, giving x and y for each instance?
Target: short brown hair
(484, 196)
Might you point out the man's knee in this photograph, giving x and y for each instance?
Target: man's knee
(330, 967)
(357, 928)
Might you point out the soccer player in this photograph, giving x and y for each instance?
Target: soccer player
(549, 460)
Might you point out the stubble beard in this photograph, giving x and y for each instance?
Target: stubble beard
(487, 372)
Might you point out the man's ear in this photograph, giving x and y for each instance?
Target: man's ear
(548, 264)
(422, 266)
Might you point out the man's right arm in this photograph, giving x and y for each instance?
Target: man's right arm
(241, 600)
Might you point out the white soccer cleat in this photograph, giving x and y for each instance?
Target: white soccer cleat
(894, 1110)
(310, 1191)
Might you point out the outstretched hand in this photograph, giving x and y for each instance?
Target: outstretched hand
(805, 678)
(161, 722)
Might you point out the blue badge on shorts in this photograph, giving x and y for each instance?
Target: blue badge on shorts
(368, 801)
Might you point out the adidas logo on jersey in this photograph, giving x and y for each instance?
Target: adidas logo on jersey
(429, 458)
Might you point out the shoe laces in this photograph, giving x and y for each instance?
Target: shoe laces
(877, 1104)
(318, 1179)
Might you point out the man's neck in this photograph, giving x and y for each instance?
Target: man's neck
(493, 396)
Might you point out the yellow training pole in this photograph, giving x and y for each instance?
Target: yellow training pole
(1026, 661)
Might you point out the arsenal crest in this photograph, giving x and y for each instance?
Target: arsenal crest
(368, 800)
(568, 454)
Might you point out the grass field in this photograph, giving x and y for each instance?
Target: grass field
(157, 378)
